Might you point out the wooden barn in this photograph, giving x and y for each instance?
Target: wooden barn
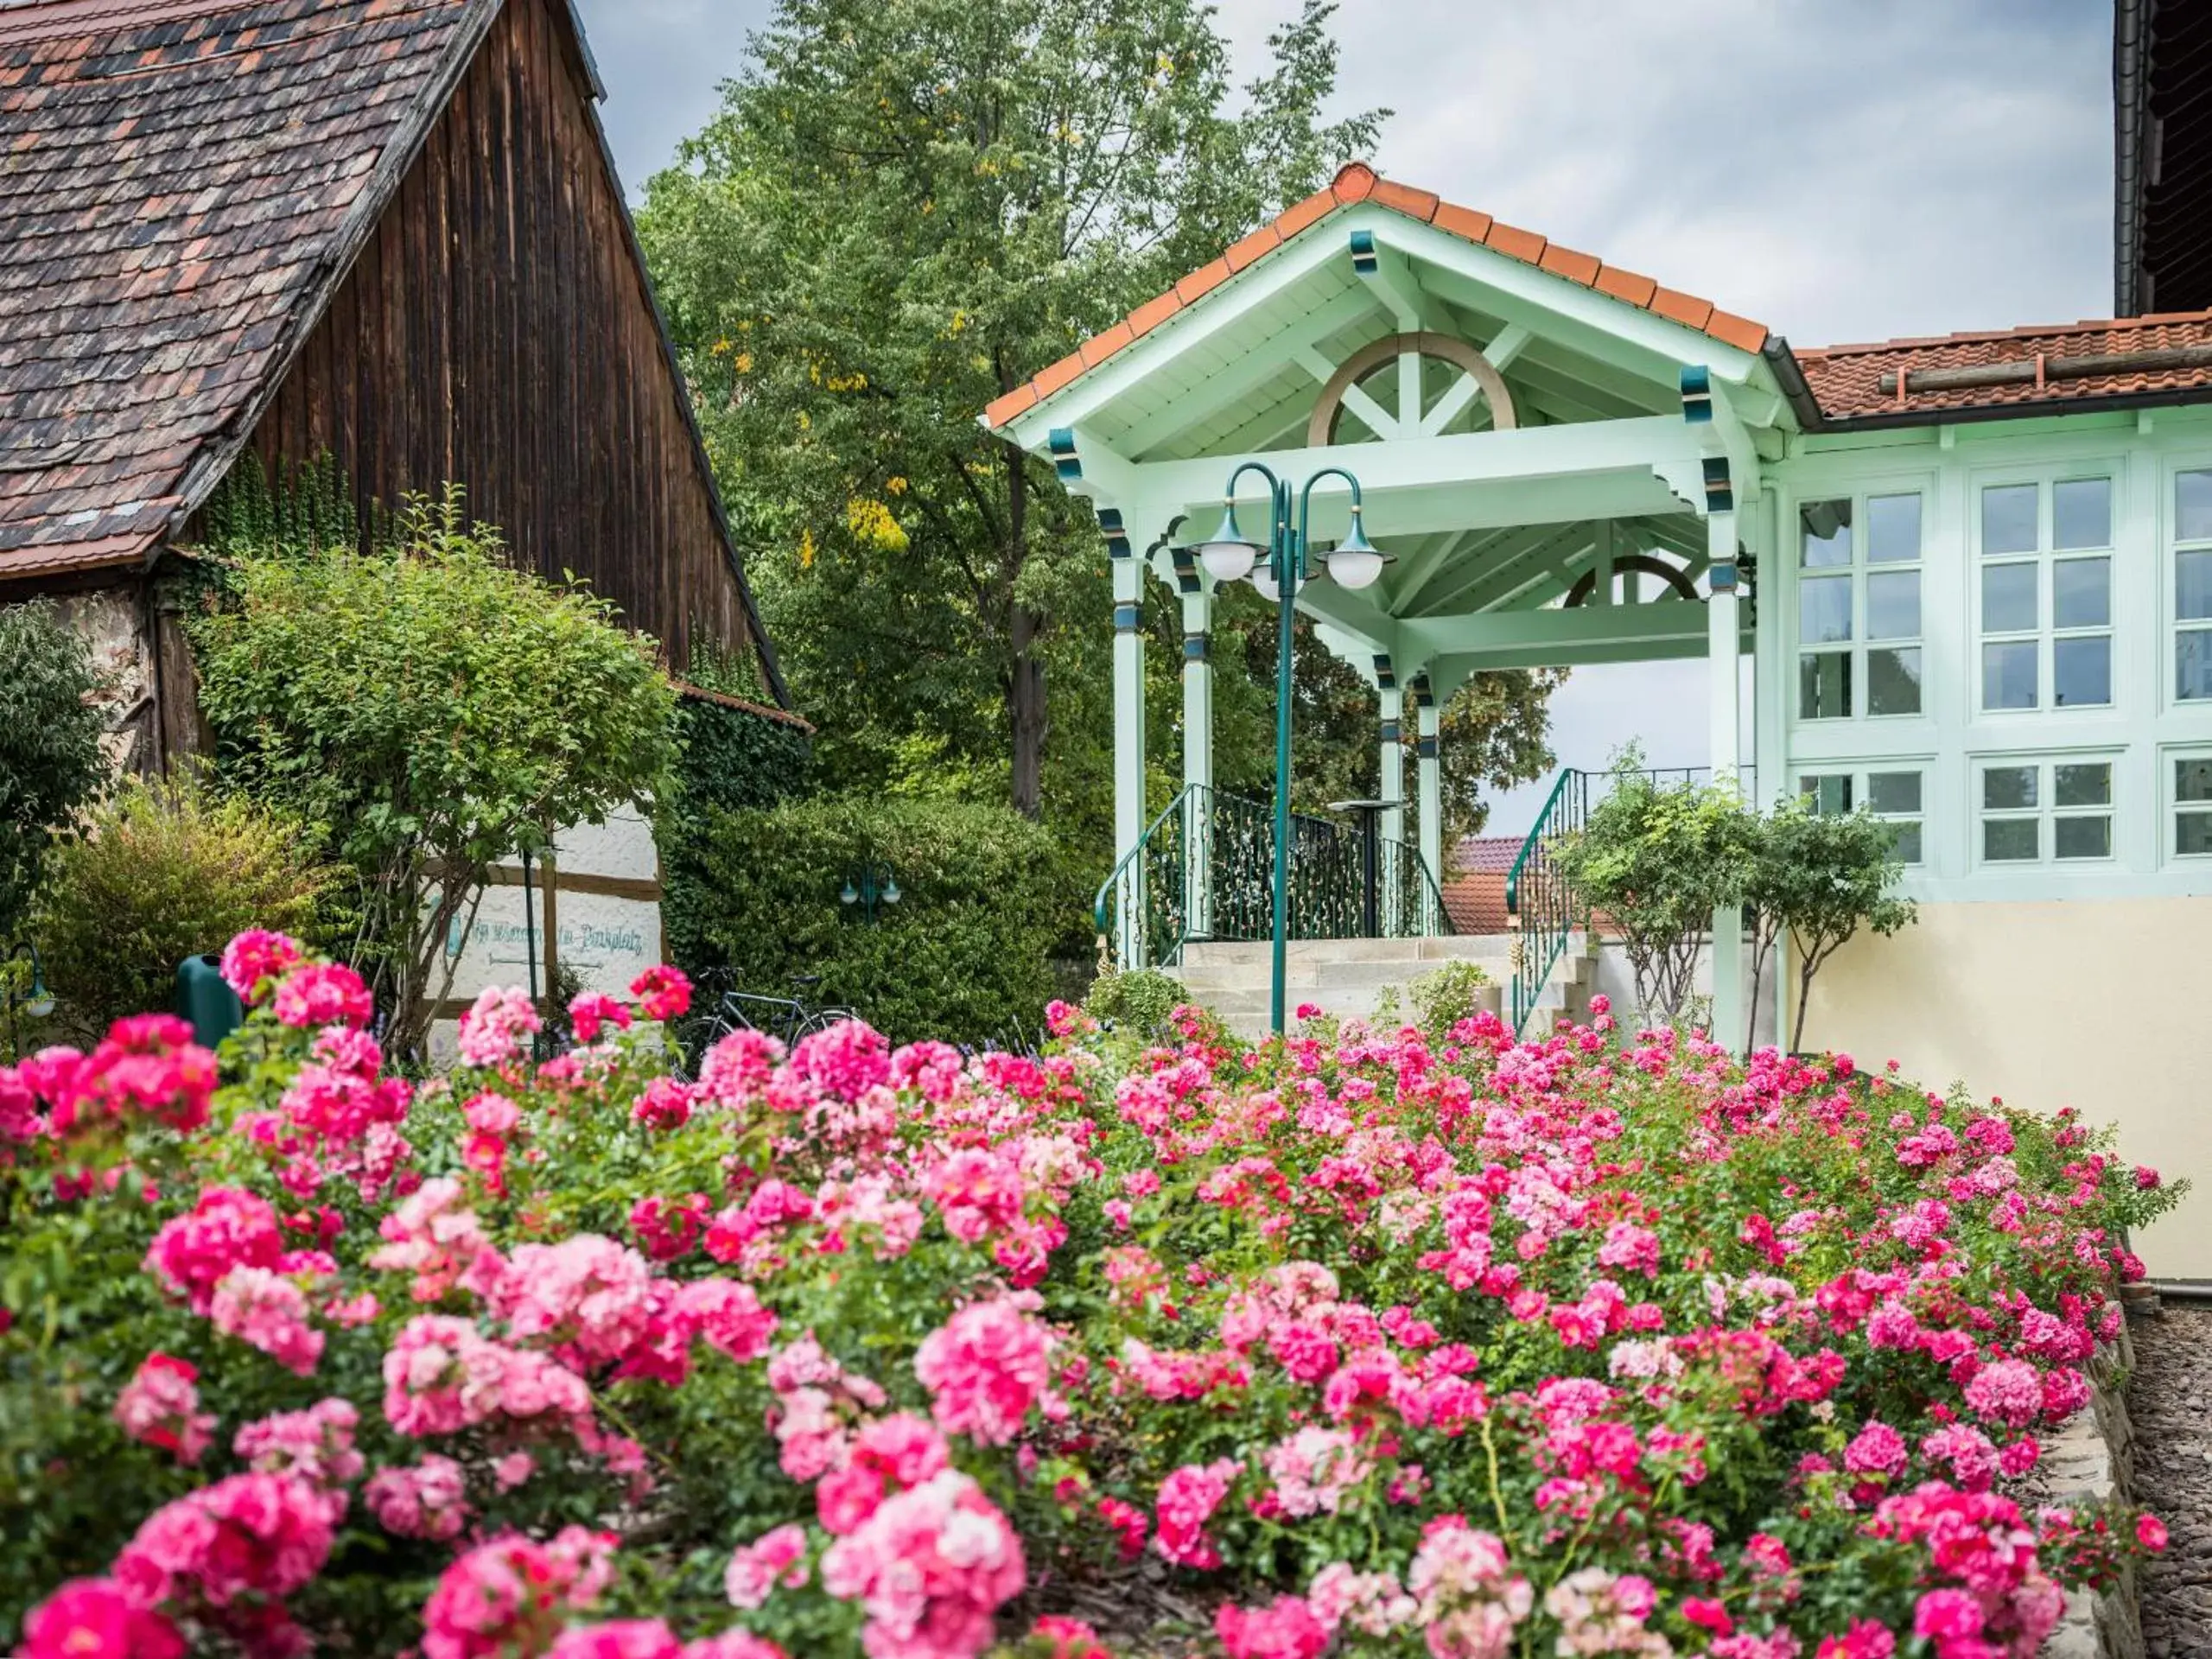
(385, 231)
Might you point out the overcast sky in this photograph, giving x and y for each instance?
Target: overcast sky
(1840, 169)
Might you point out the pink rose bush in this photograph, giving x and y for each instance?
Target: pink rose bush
(1603, 1344)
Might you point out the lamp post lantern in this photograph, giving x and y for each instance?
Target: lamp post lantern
(870, 885)
(1279, 568)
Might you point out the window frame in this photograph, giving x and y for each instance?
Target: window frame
(2170, 548)
(1856, 573)
(1859, 779)
(2046, 814)
(2045, 559)
(2171, 806)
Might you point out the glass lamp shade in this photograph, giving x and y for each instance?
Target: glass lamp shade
(1263, 578)
(40, 1006)
(1355, 568)
(1229, 553)
(849, 894)
(891, 893)
(1357, 562)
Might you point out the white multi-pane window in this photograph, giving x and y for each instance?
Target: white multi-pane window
(1894, 797)
(2043, 593)
(2041, 811)
(2191, 806)
(1859, 627)
(2192, 530)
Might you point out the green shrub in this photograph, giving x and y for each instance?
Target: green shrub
(440, 709)
(50, 760)
(730, 760)
(1443, 998)
(1138, 1001)
(962, 957)
(159, 872)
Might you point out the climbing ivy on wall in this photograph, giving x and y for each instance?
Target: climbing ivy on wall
(308, 508)
(732, 760)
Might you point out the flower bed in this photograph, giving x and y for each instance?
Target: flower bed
(1601, 1345)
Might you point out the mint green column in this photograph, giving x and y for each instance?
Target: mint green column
(1128, 739)
(1723, 645)
(1429, 761)
(1197, 746)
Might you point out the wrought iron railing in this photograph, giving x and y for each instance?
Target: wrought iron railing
(1540, 903)
(1204, 869)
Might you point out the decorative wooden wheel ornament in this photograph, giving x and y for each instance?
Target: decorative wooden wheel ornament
(1642, 564)
(1477, 379)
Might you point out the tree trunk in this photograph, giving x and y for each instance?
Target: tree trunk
(1025, 708)
(1025, 684)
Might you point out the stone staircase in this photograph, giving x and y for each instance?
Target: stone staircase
(1346, 976)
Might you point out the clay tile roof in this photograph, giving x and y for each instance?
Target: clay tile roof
(1485, 855)
(177, 183)
(1358, 183)
(2030, 369)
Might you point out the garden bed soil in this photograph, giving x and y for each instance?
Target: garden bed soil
(2169, 1400)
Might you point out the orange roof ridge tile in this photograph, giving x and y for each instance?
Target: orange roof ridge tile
(1356, 182)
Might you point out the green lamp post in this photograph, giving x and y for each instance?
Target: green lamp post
(1279, 567)
(867, 887)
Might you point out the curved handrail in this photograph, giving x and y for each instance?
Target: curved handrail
(1106, 887)
(1535, 836)
(1541, 939)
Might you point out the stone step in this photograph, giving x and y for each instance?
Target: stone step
(1345, 977)
(1316, 976)
(1222, 953)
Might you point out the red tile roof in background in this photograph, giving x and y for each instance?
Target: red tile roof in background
(1474, 889)
(1358, 183)
(1846, 380)
(173, 179)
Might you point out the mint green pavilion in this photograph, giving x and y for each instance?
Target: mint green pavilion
(1973, 574)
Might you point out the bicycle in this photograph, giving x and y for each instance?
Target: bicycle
(784, 1018)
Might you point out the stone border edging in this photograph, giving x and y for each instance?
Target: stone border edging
(2092, 1461)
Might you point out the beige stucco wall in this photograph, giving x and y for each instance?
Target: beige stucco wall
(2103, 1005)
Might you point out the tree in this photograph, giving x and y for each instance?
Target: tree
(1820, 877)
(905, 209)
(1492, 729)
(1655, 861)
(50, 761)
(439, 710)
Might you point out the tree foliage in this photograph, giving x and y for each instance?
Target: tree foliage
(1655, 861)
(50, 760)
(440, 711)
(905, 209)
(1820, 877)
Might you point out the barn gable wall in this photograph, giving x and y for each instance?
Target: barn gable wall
(497, 331)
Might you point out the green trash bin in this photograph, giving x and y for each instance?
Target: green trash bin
(207, 1001)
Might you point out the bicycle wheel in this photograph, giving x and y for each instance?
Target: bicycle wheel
(820, 1019)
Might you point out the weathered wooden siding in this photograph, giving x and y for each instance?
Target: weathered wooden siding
(497, 331)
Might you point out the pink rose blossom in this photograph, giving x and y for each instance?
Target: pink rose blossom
(96, 1619)
(662, 992)
(254, 957)
(160, 1406)
(497, 1027)
(427, 1500)
(778, 1557)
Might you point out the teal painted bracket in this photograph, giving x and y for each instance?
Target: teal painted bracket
(1116, 533)
(1697, 394)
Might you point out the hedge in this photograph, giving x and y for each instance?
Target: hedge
(963, 957)
(733, 758)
